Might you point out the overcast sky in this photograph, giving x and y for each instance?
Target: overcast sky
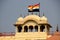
(10, 10)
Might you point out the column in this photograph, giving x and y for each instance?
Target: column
(39, 28)
(16, 29)
(33, 28)
(45, 28)
(22, 28)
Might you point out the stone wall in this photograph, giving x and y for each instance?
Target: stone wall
(26, 36)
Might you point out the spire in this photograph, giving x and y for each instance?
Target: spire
(36, 13)
(24, 16)
(57, 28)
(43, 14)
(39, 14)
(32, 13)
(20, 15)
(28, 13)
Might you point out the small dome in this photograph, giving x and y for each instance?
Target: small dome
(20, 19)
(32, 17)
(44, 18)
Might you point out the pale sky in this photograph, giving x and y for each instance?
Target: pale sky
(10, 10)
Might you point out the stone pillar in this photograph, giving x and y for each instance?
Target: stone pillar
(22, 28)
(46, 28)
(16, 29)
(39, 28)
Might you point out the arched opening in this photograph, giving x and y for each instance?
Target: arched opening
(31, 28)
(25, 29)
(19, 28)
(36, 28)
(42, 27)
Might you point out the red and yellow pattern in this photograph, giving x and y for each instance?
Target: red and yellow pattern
(30, 7)
(36, 6)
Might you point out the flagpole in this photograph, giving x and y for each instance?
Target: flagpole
(28, 13)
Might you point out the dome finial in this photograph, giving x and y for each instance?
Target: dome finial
(28, 13)
(36, 13)
(20, 15)
(57, 28)
(43, 14)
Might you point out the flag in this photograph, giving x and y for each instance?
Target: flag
(30, 8)
(33, 8)
(36, 7)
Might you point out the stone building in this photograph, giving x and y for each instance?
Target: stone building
(31, 27)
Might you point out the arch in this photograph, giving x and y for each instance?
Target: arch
(36, 28)
(30, 20)
(42, 27)
(30, 28)
(25, 28)
(19, 28)
(32, 17)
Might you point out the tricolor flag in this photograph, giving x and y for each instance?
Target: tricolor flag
(30, 8)
(36, 8)
(33, 8)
